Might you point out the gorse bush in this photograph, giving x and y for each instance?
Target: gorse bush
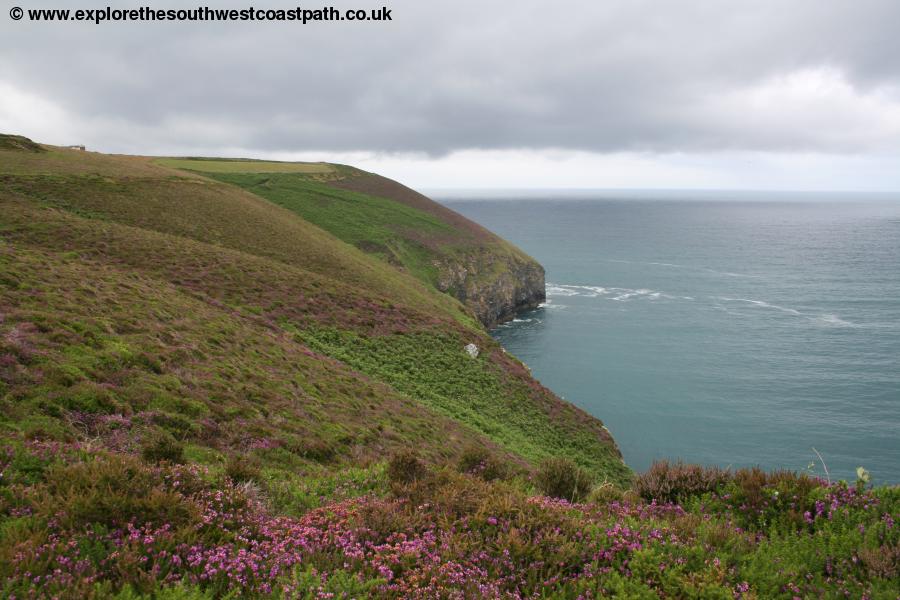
(109, 490)
(160, 446)
(673, 482)
(562, 478)
(480, 462)
(243, 467)
(406, 467)
(777, 498)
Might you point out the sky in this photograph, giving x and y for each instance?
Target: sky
(717, 94)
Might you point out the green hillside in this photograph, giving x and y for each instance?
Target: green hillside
(145, 291)
(215, 384)
(395, 224)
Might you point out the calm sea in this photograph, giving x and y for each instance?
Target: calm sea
(729, 329)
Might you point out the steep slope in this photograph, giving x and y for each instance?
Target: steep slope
(398, 225)
(487, 273)
(135, 191)
(136, 291)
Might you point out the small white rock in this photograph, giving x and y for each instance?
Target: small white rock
(472, 350)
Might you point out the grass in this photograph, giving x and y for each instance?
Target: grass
(150, 301)
(512, 411)
(436, 246)
(18, 143)
(96, 350)
(397, 234)
(224, 216)
(244, 166)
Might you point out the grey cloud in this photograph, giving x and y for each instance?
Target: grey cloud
(442, 76)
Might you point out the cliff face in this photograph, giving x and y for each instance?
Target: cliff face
(489, 275)
(494, 286)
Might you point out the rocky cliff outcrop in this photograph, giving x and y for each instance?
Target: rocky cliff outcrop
(494, 286)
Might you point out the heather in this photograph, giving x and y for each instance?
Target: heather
(139, 302)
(399, 227)
(414, 237)
(81, 523)
(204, 395)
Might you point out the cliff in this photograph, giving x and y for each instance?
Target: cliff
(489, 275)
(496, 287)
(407, 230)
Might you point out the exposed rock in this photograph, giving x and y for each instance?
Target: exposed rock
(495, 286)
(472, 350)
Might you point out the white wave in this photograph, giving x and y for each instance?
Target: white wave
(762, 304)
(677, 266)
(610, 293)
(828, 319)
(833, 321)
(561, 290)
(629, 294)
(730, 274)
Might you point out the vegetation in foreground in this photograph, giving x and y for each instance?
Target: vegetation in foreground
(81, 523)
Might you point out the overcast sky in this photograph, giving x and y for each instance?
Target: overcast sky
(757, 94)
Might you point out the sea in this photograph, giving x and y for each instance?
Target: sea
(724, 328)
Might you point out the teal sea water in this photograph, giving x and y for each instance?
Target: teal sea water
(724, 329)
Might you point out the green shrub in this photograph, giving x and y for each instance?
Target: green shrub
(406, 467)
(308, 584)
(673, 482)
(40, 427)
(22, 468)
(562, 478)
(180, 591)
(160, 446)
(90, 397)
(109, 490)
(179, 426)
(315, 449)
(606, 492)
(480, 462)
(761, 499)
(243, 467)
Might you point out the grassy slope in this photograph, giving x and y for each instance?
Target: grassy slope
(135, 191)
(411, 235)
(245, 166)
(256, 262)
(376, 225)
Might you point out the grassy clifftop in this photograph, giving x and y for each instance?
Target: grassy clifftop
(399, 226)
